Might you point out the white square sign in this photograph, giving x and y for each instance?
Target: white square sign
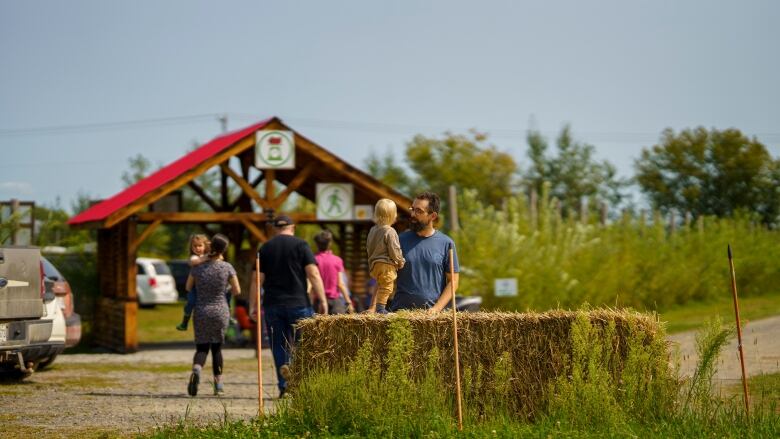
(505, 287)
(274, 149)
(364, 212)
(335, 201)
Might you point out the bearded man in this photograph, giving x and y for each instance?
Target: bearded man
(425, 281)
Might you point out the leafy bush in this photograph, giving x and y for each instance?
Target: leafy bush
(629, 262)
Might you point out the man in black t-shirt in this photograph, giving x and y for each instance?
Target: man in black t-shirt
(286, 262)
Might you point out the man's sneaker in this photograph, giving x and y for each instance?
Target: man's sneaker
(192, 386)
(219, 389)
(181, 326)
(284, 371)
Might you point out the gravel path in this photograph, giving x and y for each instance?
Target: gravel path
(760, 343)
(126, 394)
(87, 395)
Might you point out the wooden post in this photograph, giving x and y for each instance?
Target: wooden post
(261, 409)
(584, 211)
(739, 333)
(454, 224)
(455, 339)
(603, 217)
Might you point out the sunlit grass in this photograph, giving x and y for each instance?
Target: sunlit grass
(158, 324)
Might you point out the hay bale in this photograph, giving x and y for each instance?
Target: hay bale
(538, 344)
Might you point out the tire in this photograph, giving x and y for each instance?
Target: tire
(46, 363)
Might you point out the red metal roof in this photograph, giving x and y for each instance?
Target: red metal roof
(105, 208)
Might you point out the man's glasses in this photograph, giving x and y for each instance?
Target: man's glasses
(417, 211)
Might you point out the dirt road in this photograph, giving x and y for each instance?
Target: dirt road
(86, 395)
(760, 342)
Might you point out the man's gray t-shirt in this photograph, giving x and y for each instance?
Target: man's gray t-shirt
(424, 276)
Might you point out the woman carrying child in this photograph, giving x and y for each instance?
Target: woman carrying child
(211, 311)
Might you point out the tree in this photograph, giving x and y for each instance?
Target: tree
(386, 170)
(710, 173)
(463, 161)
(573, 173)
(140, 167)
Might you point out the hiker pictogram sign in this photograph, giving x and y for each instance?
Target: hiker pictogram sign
(274, 149)
(335, 201)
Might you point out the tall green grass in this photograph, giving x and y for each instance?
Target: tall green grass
(630, 262)
(645, 401)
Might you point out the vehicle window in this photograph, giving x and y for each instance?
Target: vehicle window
(50, 271)
(140, 269)
(161, 268)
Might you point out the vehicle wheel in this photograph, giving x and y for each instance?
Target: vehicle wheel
(47, 362)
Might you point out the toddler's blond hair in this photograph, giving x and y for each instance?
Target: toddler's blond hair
(385, 212)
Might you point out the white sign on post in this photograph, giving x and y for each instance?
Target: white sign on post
(274, 149)
(505, 287)
(335, 201)
(364, 212)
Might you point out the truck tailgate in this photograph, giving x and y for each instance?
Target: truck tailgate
(20, 280)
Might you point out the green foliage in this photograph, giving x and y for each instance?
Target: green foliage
(562, 262)
(464, 161)
(709, 343)
(710, 173)
(573, 174)
(140, 167)
(364, 403)
(584, 403)
(386, 170)
(585, 397)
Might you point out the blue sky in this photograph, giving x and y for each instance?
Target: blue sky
(356, 76)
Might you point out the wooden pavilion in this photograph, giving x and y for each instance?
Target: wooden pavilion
(126, 219)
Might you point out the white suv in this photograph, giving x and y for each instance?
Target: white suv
(154, 282)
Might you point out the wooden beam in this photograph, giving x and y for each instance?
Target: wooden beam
(186, 177)
(294, 184)
(270, 176)
(203, 195)
(257, 233)
(217, 217)
(351, 174)
(142, 237)
(257, 180)
(248, 190)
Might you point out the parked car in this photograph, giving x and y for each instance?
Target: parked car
(154, 282)
(180, 269)
(32, 327)
(58, 305)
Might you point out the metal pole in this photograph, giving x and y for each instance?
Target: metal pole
(455, 338)
(261, 410)
(739, 333)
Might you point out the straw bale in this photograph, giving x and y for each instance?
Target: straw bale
(537, 343)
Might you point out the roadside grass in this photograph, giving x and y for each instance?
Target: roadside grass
(694, 314)
(158, 324)
(764, 392)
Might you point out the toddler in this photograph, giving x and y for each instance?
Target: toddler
(199, 249)
(384, 254)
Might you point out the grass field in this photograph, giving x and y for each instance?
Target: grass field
(158, 324)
